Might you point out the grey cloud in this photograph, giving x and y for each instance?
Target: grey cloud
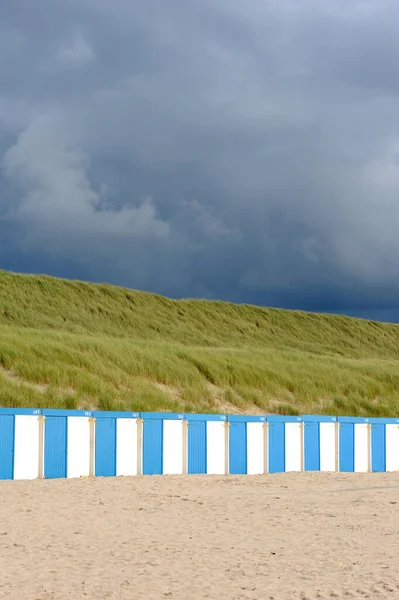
(75, 52)
(246, 151)
(57, 201)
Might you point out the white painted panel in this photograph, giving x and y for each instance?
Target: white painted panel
(215, 447)
(392, 447)
(126, 447)
(327, 446)
(172, 447)
(78, 460)
(361, 448)
(26, 453)
(293, 450)
(255, 448)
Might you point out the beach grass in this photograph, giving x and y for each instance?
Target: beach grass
(70, 344)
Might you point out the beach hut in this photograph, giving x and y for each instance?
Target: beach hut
(68, 443)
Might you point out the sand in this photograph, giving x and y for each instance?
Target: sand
(282, 536)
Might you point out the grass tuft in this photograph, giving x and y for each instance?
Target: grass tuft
(70, 344)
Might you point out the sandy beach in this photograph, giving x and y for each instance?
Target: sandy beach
(282, 536)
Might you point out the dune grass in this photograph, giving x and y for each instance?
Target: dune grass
(79, 345)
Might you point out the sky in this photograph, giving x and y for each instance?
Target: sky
(222, 149)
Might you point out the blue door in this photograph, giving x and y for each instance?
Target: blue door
(6, 446)
(312, 447)
(347, 447)
(276, 447)
(105, 447)
(378, 462)
(196, 447)
(55, 447)
(238, 448)
(152, 446)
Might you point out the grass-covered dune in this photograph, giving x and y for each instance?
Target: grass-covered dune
(79, 345)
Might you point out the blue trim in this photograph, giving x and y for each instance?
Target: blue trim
(318, 419)
(209, 417)
(197, 453)
(115, 414)
(246, 419)
(238, 448)
(384, 421)
(282, 419)
(52, 412)
(347, 447)
(312, 445)
(152, 446)
(378, 447)
(277, 447)
(164, 416)
(7, 445)
(20, 411)
(105, 449)
(353, 420)
(55, 447)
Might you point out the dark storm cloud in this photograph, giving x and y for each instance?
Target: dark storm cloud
(243, 151)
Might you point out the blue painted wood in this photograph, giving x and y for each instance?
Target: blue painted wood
(312, 446)
(283, 419)
(200, 417)
(20, 411)
(196, 447)
(247, 418)
(353, 420)
(112, 414)
(347, 446)
(60, 412)
(163, 416)
(276, 447)
(378, 456)
(55, 447)
(319, 418)
(7, 432)
(238, 448)
(152, 446)
(105, 447)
